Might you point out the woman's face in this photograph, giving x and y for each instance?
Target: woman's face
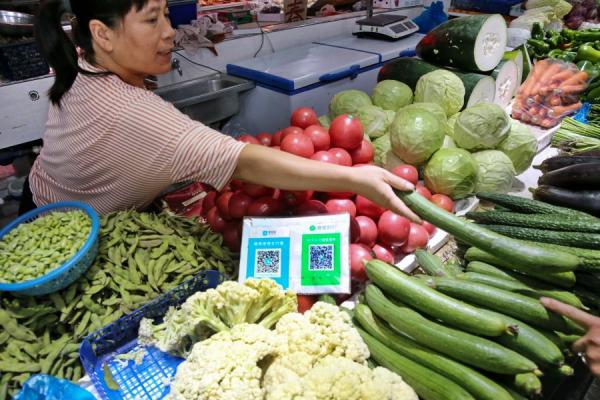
(142, 43)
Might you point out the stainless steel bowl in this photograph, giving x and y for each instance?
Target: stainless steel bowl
(16, 23)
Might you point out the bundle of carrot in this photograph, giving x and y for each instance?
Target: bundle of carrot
(550, 92)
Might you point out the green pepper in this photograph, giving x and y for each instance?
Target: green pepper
(554, 39)
(587, 52)
(539, 47)
(592, 69)
(537, 31)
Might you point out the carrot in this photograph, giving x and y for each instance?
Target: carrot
(543, 112)
(525, 117)
(546, 77)
(566, 90)
(554, 100)
(538, 70)
(576, 79)
(564, 75)
(559, 111)
(533, 110)
(516, 114)
(548, 123)
(569, 99)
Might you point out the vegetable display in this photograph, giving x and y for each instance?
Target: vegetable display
(415, 135)
(452, 172)
(442, 87)
(33, 249)
(392, 95)
(481, 127)
(495, 171)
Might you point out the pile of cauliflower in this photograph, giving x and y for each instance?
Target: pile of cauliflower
(313, 356)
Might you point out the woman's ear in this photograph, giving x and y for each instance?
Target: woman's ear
(102, 35)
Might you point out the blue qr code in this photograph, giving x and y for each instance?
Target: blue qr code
(268, 262)
(321, 257)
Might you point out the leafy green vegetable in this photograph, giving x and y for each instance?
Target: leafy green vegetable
(415, 135)
(348, 102)
(452, 172)
(374, 120)
(520, 146)
(384, 156)
(392, 95)
(495, 171)
(441, 87)
(448, 143)
(481, 127)
(451, 123)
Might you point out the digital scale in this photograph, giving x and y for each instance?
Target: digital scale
(385, 26)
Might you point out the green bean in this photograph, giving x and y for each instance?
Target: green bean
(19, 367)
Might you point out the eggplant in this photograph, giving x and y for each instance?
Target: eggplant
(577, 176)
(582, 200)
(558, 162)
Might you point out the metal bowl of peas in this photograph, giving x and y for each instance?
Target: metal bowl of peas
(47, 249)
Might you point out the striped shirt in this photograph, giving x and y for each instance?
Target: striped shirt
(116, 147)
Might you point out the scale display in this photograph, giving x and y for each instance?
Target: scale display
(385, 26)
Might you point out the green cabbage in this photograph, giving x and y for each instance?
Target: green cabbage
(392, 95)
(451, 123)
(325, 121)
(391, 116)
(441, 87)
(384, 156)
(495, 171)
(433, 108)
(415, 135)
(520, 146)
(374, 120)
(481, 127)
(452, 172)
(348, 102)
(448, 143)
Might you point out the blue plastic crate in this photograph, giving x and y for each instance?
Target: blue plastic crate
(490, 6)
(150, 379)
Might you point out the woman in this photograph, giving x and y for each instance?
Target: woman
(115, 145)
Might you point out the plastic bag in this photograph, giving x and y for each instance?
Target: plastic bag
(433, 16)
(550, 93)
(46, 387)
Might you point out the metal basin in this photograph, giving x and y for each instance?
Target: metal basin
(16, 23)
(208, 99)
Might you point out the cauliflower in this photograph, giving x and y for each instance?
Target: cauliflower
(259, 301)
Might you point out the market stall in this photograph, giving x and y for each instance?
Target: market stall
(253, 292)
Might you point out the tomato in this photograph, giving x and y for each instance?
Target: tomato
(338, 206)
(306, 301)
(215, 220)
(264, 138)
(264, 207)
(293, 198)
(368, 230)
(311, 207)
(236, 184)
(232, 236)
(324, 156)
(383, 253)
(341, 195)
(346, 132)
(303, 117)
(298, 144)
(429, 227)
(248, 139)
(443, 201)
(423, 191)
(341, 156)
(208, 202)
(319, 136)
(393, 229)
(362, 154)
(254, 190)
(276, 138)
(417, 238)
(288, 131)
(358, 254)
(366, 207)
(407, 172)
(354, 230)
(223, 204)
(238, 204)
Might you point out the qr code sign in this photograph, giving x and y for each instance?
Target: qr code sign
(268, 263)
(321, 257)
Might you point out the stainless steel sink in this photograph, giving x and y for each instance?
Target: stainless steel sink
(208, 99)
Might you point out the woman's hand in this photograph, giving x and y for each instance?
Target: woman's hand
(378, 184)
(588, 345)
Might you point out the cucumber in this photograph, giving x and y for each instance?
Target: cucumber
(554, 338)
(583, 240)
(516, 305)
(453, 312)
(478, 88)
(523, 287)
(430, 263)
(535, 257)
(474, 382)
(578, 176)
(529, 206)
(532, 344)
(453, 267)
(550, 222)
(469, 349)
(588, 280)
(528, 384)
(474, 43)
(506, 75)
(426, 383)
(513, 392)
(562, 279)
(568, 340)
(590, 259)
(589, 298)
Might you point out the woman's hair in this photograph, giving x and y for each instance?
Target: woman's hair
(58, 48)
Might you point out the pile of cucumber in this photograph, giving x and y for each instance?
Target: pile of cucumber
(554, 228)
(453, 334)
